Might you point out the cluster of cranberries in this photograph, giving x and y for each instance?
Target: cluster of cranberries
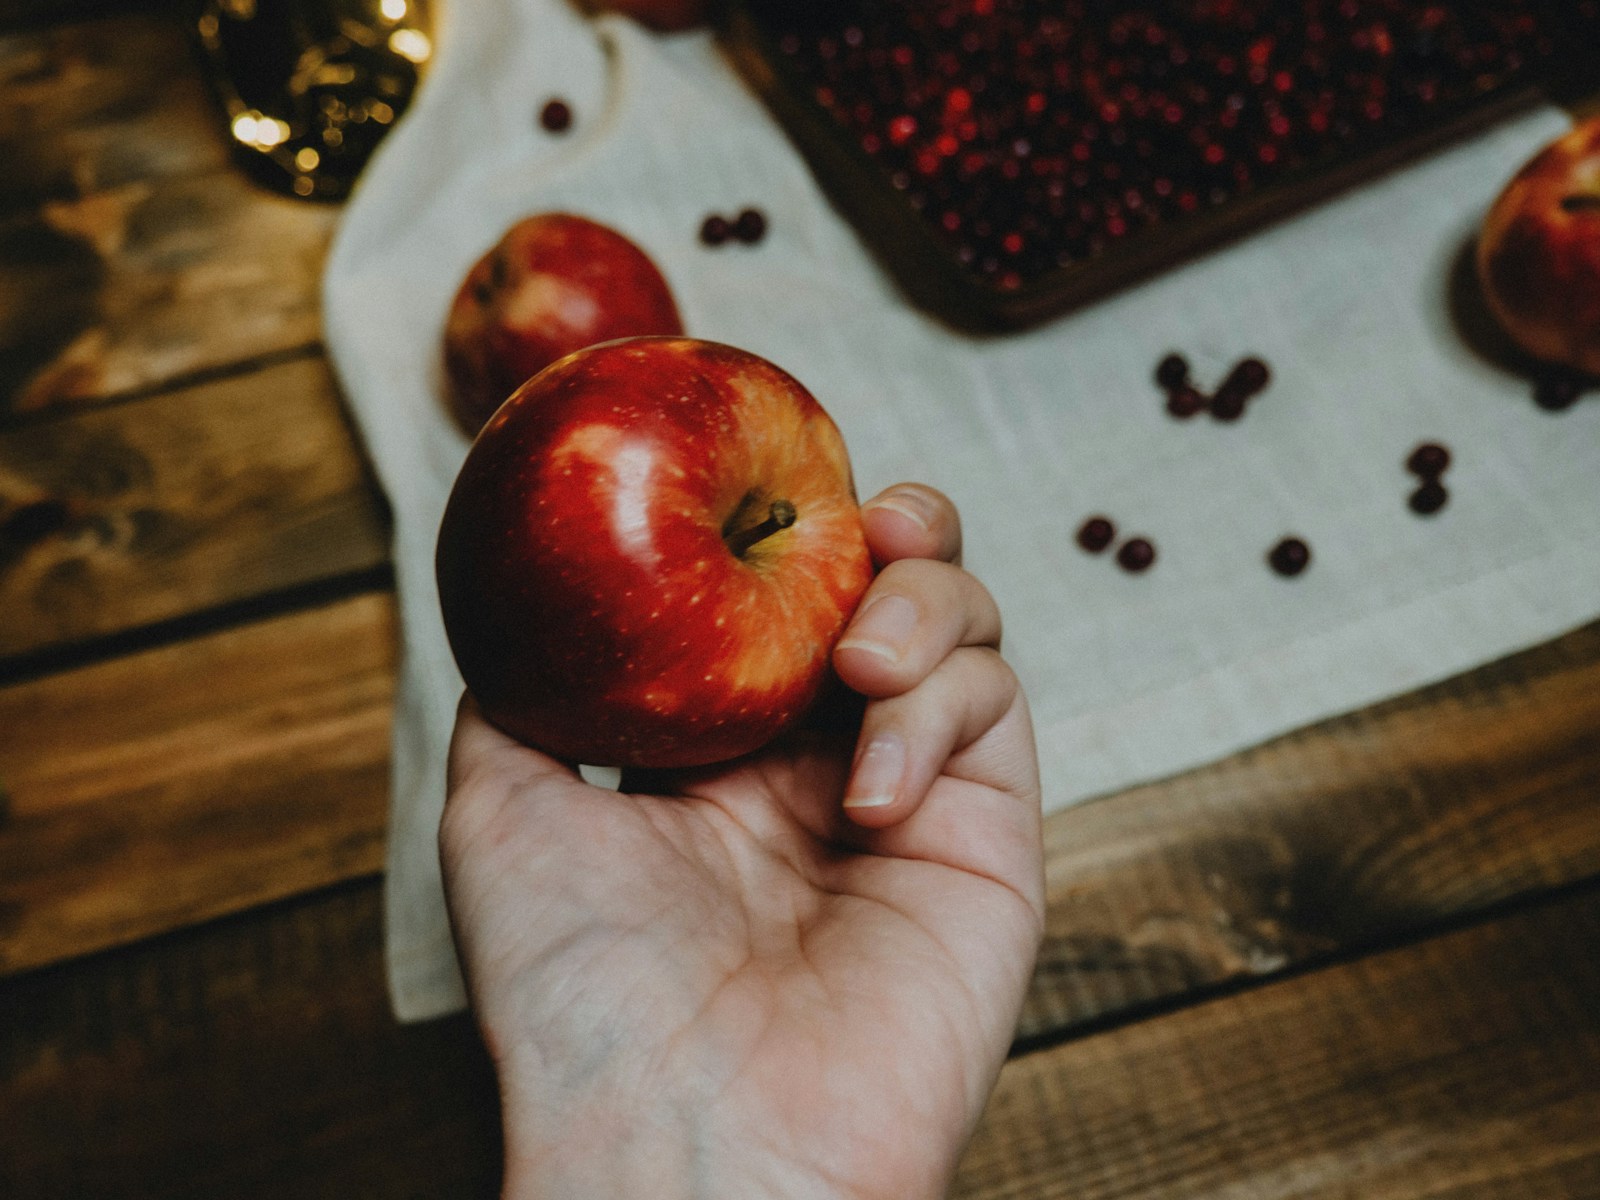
(1428, 462)
(1134, 555)
(1289, 557)
(749, 227)
(1248, 378)
(1030, 136)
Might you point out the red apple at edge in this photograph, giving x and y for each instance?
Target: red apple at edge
(666, 16)
(1539, 253)
(649, 553)
(553, 284)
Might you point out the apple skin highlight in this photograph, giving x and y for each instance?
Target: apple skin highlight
(586, 563)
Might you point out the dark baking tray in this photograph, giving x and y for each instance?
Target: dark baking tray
(839, 74)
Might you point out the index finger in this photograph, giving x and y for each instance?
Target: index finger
(911, 520)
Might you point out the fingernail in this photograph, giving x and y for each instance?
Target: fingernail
(884, 627)
(913, 505)
(878, 772)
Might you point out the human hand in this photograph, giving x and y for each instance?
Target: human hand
(793, 975)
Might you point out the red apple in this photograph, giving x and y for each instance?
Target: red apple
(555, 283)
(649, 553)
(664, 15)
(1539, 253)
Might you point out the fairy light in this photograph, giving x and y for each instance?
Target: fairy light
(271, 132)
(262, 132)
(412, 44)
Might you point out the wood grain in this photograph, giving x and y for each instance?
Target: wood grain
(1353, 831)
(131, 254)
(1362, 829)
(1466, 1066)
(132, 288)
(99, 105)
(160, 789)
(256, 1057)
(18, 15)
(251, 1057)
(157, 509)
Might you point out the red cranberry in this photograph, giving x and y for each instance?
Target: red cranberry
(1136, 554)
(1172, 372)
(1227, 405)
(1428, 460)
(969, 99)
(750, 226)
(1249, 376)
(1095, 534)
(1429, 498)
(556, 116)
(1184, 402)
(1289, 557)
(715, 230)
(1557, 391)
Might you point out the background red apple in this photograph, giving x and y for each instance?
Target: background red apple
(555, 283)
(664, 15)
(649, 553)
(1539, 253)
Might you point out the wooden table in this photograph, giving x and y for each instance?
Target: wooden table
(1360, 961)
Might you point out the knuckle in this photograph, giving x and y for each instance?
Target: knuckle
(989, 675)
(912, 575)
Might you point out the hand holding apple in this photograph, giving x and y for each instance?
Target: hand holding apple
(747, 947)
(553, 284)
(1539, 253)
(649, 553)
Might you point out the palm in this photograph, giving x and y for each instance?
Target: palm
(765, 965)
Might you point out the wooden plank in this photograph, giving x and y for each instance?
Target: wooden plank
(156, 509)
(99, 105)
(131, 253)
(1186, 885)
(22, 14)
(1356, 830)
(1466, 1067)
(132, 288)
(168, 787)
(254, 1057)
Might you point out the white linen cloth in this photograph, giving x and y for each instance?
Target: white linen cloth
(1131, 677)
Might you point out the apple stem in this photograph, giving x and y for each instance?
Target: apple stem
(1580, 202)
(780, 515)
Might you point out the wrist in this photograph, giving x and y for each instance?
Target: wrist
(605, 1152)
(589, 1150)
